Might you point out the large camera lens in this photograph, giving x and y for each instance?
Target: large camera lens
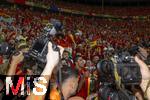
(105, 70)
(104, 67)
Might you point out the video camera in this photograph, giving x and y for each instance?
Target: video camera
(39, 48)
(124, 65)
(117, 72)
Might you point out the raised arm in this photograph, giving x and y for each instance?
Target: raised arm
(16, 59)
(52, 61)
(145, 85)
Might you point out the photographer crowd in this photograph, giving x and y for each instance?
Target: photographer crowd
(83, 42)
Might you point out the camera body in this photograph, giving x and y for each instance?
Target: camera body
(39, 48)
(127, 69)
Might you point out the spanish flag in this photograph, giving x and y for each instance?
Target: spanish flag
(93, 43)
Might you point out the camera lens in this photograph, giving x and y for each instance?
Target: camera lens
(105, 66)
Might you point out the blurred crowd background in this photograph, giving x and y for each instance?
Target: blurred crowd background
(85, 38)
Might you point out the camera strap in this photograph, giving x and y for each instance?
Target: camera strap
(116, 75)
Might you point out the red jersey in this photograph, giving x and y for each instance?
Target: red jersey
(84, 90)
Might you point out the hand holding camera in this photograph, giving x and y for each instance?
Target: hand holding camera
(52, 58)
(144, 68)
